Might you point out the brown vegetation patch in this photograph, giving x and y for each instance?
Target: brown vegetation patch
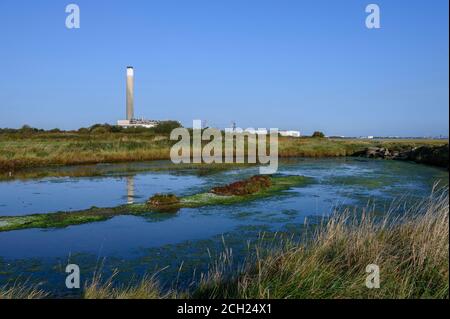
(163, 200)
(245, 187)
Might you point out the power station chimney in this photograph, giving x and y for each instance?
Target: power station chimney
(130, 93)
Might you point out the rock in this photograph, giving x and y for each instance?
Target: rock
(374, 152)
(431, 155)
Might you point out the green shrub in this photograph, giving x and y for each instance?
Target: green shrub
(166, 127)
(318, 134)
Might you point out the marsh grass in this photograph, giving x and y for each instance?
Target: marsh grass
(22, 291)
(71, 149)
(411, 250)
(146, 288)
(21, 151)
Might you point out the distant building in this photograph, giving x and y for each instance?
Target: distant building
(263, 131)
(138, 123)
(290, 133)
(131, 121)
(260, 131)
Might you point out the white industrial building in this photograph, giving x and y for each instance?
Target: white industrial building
(290, 133)
(260, 131)
(263, 131)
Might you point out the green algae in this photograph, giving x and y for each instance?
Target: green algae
(96, 214)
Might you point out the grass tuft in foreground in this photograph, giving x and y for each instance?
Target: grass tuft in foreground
(147, 288)
(22, 291)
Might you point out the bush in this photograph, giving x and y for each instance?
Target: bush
(318, 134)
(102, 128)
(28, 129)
(166, 127)
(83, 130)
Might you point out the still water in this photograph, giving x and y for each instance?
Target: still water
(136, 245)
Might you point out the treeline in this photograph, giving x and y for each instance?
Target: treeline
(163, 127)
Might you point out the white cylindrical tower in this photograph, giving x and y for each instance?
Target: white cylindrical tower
(130, 93)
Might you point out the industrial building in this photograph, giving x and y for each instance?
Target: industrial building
(290, 133)
(131, 121)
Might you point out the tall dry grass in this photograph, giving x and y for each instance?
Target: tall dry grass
(22, 291)
(146, 288)
(412, 251)
(44, 149)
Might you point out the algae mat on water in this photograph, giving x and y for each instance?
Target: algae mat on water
(95, 214)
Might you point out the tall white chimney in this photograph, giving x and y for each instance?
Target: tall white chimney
(130, 93)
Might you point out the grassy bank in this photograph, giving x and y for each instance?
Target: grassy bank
(411, 250)
(37, 150)
(96, 214)
(40, 149)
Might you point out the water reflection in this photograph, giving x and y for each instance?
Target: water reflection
(130, 189)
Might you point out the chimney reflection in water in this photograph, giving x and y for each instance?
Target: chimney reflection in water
(130, 189)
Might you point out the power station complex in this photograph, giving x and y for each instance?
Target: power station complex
(131, 121)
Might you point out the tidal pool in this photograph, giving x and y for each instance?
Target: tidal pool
(135, 245)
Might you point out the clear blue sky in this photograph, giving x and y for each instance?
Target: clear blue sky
(307, 65)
